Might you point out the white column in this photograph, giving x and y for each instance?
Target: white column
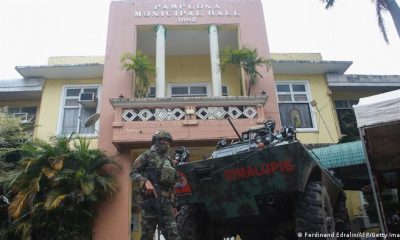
(160, 61)
(215, 67)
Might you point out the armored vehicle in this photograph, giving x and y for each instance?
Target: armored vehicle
(266, 185)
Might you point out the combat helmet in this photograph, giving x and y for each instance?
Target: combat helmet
(161, 134)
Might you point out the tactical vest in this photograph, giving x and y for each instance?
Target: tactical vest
(166, 173)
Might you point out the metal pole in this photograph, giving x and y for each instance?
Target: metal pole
(379, 209)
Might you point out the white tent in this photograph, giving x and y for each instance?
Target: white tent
(378, 109)
(378, 120)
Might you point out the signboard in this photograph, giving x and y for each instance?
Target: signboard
(185, 13)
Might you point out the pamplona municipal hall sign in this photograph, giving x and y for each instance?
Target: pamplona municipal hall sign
(186, 12)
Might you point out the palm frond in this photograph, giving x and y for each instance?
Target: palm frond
(28, 163)
(380, 8)
(329, 3)
(25, 197)
(82, 145)
(87, 185)
(36, 206)
(48, 172)
(108, 185)
(18, 204)
(25, 229)
(54, 199)
(64, 174)
(58, 163)
(100, 161)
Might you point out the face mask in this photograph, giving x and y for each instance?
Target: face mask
(162, 146)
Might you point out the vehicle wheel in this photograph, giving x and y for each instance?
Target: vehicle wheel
(193, 225)
(314, 212)
(342, 221)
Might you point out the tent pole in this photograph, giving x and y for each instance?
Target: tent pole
(379, 208)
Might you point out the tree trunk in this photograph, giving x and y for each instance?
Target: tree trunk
(249, 90)
(394, 10)
(249, 85)
(243, 82)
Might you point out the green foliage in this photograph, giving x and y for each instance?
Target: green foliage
(142, 66)
(57, 189)
(12, 135)
(348, 125)
(246, 58)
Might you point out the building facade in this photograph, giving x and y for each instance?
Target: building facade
(189, 94)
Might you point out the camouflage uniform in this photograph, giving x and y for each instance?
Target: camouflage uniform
(150, 205)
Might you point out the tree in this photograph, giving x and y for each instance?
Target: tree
(248, 60)
(381, 7)
(348, 125)
(57, 189)
(142, 66)
(12, 135)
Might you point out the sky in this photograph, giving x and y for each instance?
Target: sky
(32, 31)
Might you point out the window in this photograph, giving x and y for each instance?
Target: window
(347, 118)
(294, 105)
(74, 114)
(189, 90)
(26, 114)
(225, 91)
(151, 92)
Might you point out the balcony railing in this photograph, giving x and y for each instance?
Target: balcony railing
(135, 119)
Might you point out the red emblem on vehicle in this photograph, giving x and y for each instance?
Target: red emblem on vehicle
(182, 186)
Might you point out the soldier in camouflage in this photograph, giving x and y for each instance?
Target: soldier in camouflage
(155, 174)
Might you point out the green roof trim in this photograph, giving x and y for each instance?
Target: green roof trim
(340, 155)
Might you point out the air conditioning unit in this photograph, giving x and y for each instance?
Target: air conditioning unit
(88, 100)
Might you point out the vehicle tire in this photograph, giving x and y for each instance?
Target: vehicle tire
(193, 225)
(342, 221)
(186, 224)
(314, 213)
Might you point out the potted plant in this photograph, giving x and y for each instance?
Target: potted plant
(141, 65)
(248, 59)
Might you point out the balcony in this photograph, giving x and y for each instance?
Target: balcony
(191, 120)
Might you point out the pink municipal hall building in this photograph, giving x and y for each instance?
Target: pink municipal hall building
(192, 96)
(189, 94)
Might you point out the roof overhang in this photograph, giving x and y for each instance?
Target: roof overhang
(74, 71)
(309, 67)
(21, 89)
(353, 82)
